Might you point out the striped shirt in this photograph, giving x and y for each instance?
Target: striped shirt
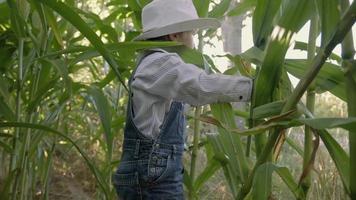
(163, 77)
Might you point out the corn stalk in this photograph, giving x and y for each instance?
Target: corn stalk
(348, 63)
(310, 103)
(196, 135)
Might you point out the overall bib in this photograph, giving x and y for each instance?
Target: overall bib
(152, 169)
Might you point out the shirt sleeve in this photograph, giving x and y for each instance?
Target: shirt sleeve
(168, 76)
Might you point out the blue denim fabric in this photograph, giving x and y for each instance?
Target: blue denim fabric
(152, 169)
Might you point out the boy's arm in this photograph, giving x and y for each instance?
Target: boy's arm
(169, 77)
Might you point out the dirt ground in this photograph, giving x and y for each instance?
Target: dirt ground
(74, 182)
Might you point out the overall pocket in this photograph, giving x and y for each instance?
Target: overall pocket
(126, 174)
(158, 166)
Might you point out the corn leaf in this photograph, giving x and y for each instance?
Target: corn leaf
(264, 172)
(62, 70)
(43, 91)
(207, 173)
(191, 56)
(54, 25)
(5, 12)
(268, 110)
(339, 156)
(127, 48)
(329, 15)
(325, 123)
(276, 50)
(69, 14)
(187, 181)
(230, 168)
(254, 55)
(5, 110)
(224, 112)
(242, 7)
(102, 106)
(202, 7)
(282, 121)
(263, 23)
(271, 68)
(295, 146)
(294, 14)
(330, 78)
(220, 9)
(304, 47)
(18, 24)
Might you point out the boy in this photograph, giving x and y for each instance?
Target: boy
(151, 164)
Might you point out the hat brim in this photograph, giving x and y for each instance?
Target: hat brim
(189, 25)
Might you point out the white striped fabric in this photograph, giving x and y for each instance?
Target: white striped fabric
(164, 77)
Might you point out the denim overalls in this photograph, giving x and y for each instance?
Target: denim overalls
(152, 169)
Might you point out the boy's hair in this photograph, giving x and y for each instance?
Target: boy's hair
(160, 38)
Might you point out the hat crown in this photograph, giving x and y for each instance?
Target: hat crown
(160, 13)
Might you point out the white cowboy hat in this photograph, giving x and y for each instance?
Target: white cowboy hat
(163, 17)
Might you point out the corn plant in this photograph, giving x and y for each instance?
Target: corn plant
(272, 38)
(275, 22)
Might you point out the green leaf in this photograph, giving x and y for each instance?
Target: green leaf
(202, 7)
(267, 82)
(276, 50)
(242, 8)
(54, 25)
(294, 14)
(329, 15)
(304, 46)
(264, 173)
(62, 69)
(268, 110)
(330, 78)
(134, 5)
(100, 25)
(5, 13)
(295, 146)
(102, 106)
(127, 48)
(5, 110)
(339, 156)
(187, 181)
(239, 66)
(207, 173)
(283, 122)
(326, 123)
(230, 168)
(188, 55)
(262, 21)
(230, 144)
(70, 15)
(315, 123)
(219, 10)
(43, 91)
(254, 55)
(17, 22)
